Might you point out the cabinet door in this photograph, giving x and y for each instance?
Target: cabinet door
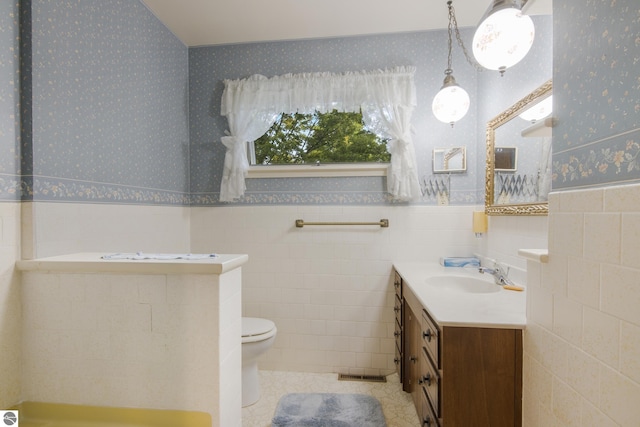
(481, 377)
(412, 348)
(399, 350)
(407, 332)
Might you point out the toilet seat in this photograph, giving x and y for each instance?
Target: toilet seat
(257, 329)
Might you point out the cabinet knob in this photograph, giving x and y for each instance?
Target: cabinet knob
(396, 360)
(397, 333)
(428, 421)
(414, 359)
(427, 335)
(396, 309)
(426, 379)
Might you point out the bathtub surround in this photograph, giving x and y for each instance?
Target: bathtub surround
(157, 334)
(10, 305)
(50, 229)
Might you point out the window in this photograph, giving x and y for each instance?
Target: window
(319, 138)
(386, 99)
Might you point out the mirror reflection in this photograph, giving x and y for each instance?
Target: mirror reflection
(506, 159)
(446, 160)
(518, 177)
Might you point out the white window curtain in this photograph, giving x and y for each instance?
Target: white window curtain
(386, 97)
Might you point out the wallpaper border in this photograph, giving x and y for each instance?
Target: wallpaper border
(12, 187)
(609, 161)
(36, 188)
(49, 189)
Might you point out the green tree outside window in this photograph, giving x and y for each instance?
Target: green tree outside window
(332, 137)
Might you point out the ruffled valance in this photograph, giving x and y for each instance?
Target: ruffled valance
(385, 97)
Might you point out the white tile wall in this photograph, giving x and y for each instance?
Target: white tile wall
(61, 228)
(10, 309)
(328, 288)
(150, 341)
(582, 342)
(508, 234)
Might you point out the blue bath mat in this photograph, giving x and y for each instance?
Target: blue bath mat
(328, 410)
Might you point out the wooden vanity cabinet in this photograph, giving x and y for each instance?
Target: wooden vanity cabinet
(397, 333)
(461, 376)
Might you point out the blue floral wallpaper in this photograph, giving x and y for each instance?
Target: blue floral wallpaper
(596, 93)
(427, 51)
(209, 66)
(9, 106)
(109, 105)
(122, 112)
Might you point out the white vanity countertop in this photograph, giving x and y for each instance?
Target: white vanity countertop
(89, 262)
(502, 309)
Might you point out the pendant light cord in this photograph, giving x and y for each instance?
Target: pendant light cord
(453, 26)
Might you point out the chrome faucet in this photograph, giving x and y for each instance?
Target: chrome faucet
(499, 274)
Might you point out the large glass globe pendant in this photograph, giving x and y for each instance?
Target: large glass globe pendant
(452, 102)
(538, 111)
(503, 39)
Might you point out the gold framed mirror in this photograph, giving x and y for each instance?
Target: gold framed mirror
(523, 187)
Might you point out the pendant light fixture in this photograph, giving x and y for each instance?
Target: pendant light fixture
(451, 103)
(504, 36)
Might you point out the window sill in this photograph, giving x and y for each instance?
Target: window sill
(328, 170)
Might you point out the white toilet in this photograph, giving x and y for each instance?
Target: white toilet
(258, 336)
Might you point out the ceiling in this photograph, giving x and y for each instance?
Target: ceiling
(215, 22)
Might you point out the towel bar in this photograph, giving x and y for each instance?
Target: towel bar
(384, 223)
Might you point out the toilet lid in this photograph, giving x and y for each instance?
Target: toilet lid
(255, 326)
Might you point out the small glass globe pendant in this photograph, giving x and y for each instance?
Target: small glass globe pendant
(452, 102)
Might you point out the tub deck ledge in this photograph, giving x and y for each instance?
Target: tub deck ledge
(92, 262)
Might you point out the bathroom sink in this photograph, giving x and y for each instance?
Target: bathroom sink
(465, 284)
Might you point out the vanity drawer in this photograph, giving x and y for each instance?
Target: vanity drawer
(397, 360)
(428, 418)
(397, 308)
(397, 333)
(397, 284)
(431, 338)
(430, 381)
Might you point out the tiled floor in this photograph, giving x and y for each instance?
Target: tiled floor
(397, 405)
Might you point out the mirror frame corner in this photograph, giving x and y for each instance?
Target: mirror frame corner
(491, 208)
